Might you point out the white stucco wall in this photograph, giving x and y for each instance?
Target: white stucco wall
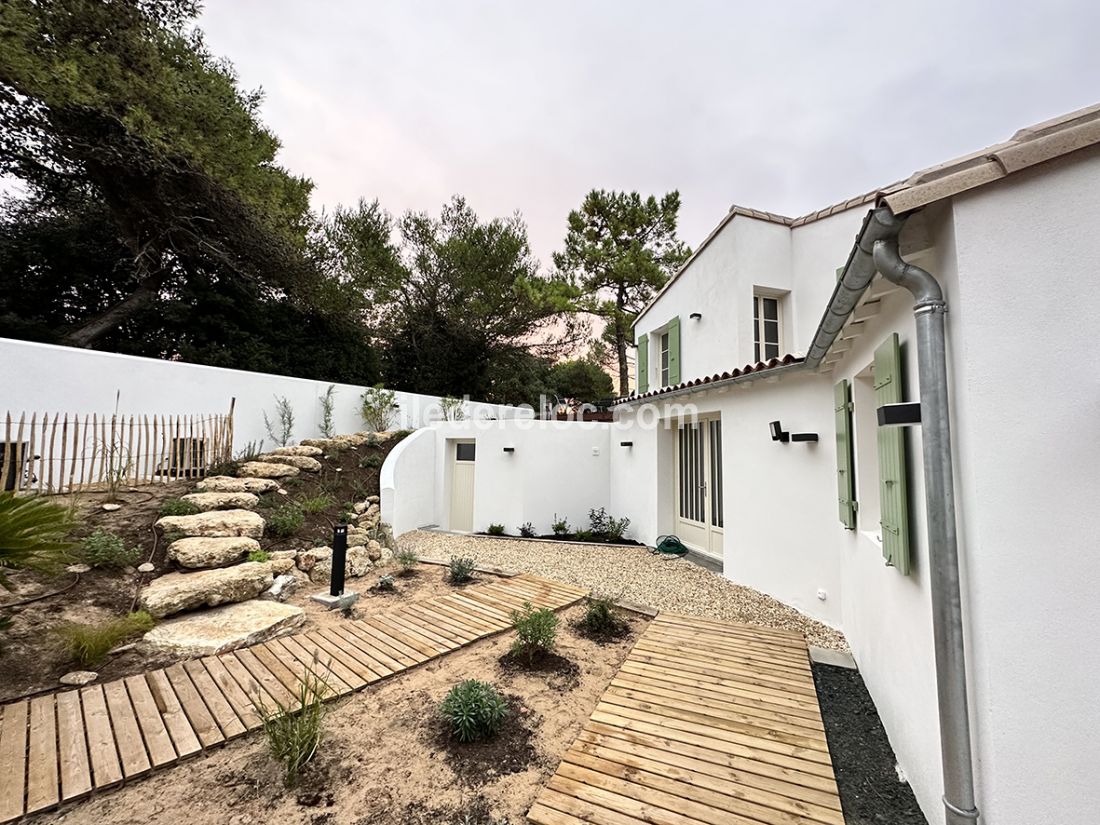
(409, 468)
(43, 377)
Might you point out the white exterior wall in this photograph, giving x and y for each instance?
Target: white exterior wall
(409, 468)
(44, 377)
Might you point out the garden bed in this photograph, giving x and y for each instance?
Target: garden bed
(383, 760)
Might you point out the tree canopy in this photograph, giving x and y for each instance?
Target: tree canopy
(620, 249)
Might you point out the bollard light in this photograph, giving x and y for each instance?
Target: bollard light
(339, 559)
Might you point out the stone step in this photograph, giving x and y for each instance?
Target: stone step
(175, 592)
(203, 551)
(301, 449)
(266, 469)
(302, 462)
(231, 626)
(229, 484)
(216, 523)
(223, 501)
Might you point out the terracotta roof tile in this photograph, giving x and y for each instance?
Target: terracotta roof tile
(686, 386)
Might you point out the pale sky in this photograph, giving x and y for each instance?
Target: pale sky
(783, 106)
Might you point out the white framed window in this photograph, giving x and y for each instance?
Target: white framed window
(767, 327)
(664, 359)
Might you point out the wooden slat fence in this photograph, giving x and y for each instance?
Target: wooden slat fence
(61, 453)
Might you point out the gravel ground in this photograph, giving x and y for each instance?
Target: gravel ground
(633, 574)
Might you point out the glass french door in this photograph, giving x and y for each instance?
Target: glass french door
(699, 485)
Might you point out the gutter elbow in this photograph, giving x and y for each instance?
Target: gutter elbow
(925, 288)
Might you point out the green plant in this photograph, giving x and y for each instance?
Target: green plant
(316, 504)
(328, 403)
(527, 530)
(104, 549)
(452, 408)
(33, 535)
(560, 526)
(385, 584)
(259, 555)
(372, 440)
(88, 644)
(583, 535)
(536, 630)
(285, 520)
(372, 461)
(495, 530)
(251, 451)
(407, 560)
(461, 569)
(285, 415)
(474, 710)
(178, 507)
(378, 408)
(601, 619)
(606, 526)
(294, 732)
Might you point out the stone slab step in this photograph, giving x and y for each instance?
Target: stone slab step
(176, 592)
(231, 626)
(216, 523)
(200, 552)
(301, 449)
(229, 484)
(223, 501)
(266, 469)
(302, 462)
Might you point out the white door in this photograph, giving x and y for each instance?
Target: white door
(699, 486)
(462, 487)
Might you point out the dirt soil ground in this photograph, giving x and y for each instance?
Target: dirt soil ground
(384, 760)
(31, 660)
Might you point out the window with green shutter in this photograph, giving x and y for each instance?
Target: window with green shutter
(643, 364)
(892, 466)
(674, 351)
(845, 475)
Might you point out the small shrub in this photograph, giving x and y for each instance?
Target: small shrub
(104, 549)
(259, 555)
(560, 526)
(583, 535)
(88, 644)
(527, 530)
(294, 732)
(385, 584)
(328, 402)
(316, 504)
(371, 462)
(461, 569)
(601, 619)
(606, 526)
(280, 433)
(474, 710)
(535, 631)
(495, 530)
(379, 408)
(285, 520)
(178, 507)
(407, 561)
(452, 408)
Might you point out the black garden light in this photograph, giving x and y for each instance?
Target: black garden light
(339, 559)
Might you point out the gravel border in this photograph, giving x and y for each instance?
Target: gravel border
(634, 574)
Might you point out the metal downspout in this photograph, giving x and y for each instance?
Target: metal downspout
(943, 547)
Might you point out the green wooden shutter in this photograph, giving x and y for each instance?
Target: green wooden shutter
(840, 273)
(892, 469)
(845, 477)
(643, 364)
(674, 351)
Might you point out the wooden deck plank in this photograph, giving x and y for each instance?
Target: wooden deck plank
(106, 770)
(76, 771)
(400, 650)
(273, 689)
(157, 741)
(355, 637)
(220, 708)
(13, 756)
(357, 656)
(42, 777)
(323, 657)
(131, 746)
(202, 721)
(242, 704)
(422, 645)
(428, 643)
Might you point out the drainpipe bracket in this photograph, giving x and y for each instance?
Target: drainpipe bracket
(969, 813)
(930, 305)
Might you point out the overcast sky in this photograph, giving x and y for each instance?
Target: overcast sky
(783, 106)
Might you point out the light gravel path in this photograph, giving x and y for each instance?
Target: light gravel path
(630, 573)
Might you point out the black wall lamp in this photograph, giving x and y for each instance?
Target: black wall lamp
(904, 414)
(696, 316)
(782, 436)
(509, 449)
(626, 443)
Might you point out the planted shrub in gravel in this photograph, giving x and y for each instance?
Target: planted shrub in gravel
(495, 530)
(407, 561)
(285, 520)
(536, 631)
(461, 570)
(527, 530)
(178, 507)
(601, 620)
(105, 549)
(474, 710)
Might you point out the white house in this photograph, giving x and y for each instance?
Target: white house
(775, 319)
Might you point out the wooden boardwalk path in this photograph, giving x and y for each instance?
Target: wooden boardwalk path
(58, 747)
(706, 723)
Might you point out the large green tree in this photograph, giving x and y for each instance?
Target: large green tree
(580, 381)
(620, 248)
(119, 104)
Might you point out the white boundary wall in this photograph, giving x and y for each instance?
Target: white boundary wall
(43, 377)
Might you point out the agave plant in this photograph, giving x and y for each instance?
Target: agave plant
(34, 535)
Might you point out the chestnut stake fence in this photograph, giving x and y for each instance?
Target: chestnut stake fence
(61, 453)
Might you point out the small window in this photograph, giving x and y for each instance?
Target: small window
(767, 341)
(464, 451)
(664, 360)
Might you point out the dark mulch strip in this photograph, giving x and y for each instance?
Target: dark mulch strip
(476, 812)
(863, 760)
(592, 539)
(510, 751)
(562, 674)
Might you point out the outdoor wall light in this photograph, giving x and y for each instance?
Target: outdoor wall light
(778, 434)
(696, 316)
(899, 415)
(803, 436)
(509, 449)
(626, 443)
